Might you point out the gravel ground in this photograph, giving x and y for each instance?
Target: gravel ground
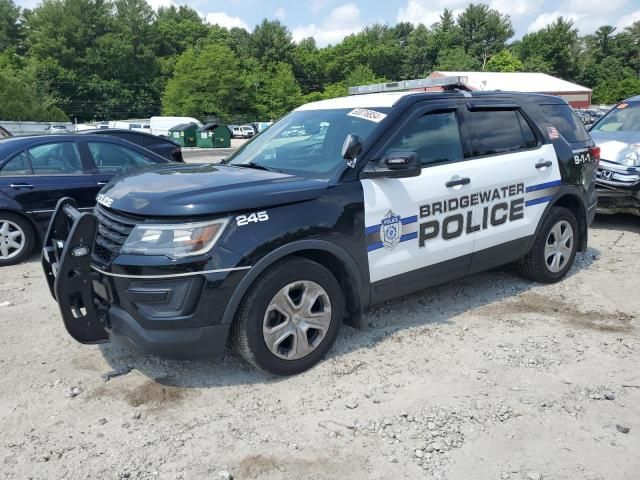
(489, 377)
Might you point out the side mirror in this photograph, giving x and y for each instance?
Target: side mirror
(394, 165)
(352, 147)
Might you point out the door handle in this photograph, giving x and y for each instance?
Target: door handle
(459, 181)
(543, 164)
(18, 186)
(102, 184)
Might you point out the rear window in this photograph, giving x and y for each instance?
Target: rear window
(566, 121)
(499, 131)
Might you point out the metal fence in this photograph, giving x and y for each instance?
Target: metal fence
(31, 128)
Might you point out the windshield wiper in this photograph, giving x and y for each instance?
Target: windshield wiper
(257, 166)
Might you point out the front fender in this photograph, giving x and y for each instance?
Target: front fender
(291, 249)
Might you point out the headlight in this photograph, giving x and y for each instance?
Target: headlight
(174, 240)
(630, 156)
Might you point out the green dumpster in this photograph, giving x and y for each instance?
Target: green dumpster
(184, 134)
(214, 135)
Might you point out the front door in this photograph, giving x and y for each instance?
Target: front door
(417, 228)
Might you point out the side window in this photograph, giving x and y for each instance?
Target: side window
(530, 140)
(60, 158)
(18, 165)
(566, 121)
(434, 137)
(499, 131)
(114, 159)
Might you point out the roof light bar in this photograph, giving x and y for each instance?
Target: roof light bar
(444, 82)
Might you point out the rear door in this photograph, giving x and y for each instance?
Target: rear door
(517, 176)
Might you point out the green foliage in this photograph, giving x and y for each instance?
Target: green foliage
(557, 44)
(277, 92)
(362, 75)
(504, 61)
(483, 31)
(10, 28)
(206, 82)
(22, 97)
(457, 59)
(612, 91)
(99, 59)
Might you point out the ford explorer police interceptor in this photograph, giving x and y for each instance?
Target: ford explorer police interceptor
(385, 194)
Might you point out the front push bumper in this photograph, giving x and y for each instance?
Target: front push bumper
(166, 317)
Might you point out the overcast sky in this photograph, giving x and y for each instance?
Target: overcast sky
(330, 20)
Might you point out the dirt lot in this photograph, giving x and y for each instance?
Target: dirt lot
(489, 377)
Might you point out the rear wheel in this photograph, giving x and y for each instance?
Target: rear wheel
(17, 238)
(554, 249)
(290, 317)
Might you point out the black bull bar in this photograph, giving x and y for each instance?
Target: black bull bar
(66, 261)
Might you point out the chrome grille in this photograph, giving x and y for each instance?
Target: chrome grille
(113, 230)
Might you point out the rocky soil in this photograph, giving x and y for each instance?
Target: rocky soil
(489, 377)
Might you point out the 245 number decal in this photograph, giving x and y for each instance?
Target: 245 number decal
(254, 217)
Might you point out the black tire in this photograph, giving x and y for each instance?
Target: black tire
(27, 233)
(247, 335)
(535, 266)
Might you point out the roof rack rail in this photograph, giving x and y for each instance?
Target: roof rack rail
(447, 83)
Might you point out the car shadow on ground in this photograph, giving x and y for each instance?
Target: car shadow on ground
(622, 222)
(431, 307)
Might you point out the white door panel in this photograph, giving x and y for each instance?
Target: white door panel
(519, 214)
(394, 220)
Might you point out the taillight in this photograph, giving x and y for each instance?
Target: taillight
(595, 152)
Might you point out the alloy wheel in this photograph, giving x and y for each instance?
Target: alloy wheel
(12, 239)
(297, 320)
(559, 246)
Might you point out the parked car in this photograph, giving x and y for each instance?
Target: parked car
(4, 133)
(161, 145)
(274, 248)
(58, 129)
(237, 132)
(248, 131)
(36, 171)
(618, 177)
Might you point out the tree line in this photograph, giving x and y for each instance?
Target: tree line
(111, 59)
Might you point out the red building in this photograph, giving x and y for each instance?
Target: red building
(577, 95)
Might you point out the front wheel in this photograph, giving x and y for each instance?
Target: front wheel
(17, 239)
(554, 249)
(290, 317)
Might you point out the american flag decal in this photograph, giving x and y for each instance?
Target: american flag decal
(553, 133)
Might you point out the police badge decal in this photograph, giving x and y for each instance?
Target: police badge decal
(390, 230)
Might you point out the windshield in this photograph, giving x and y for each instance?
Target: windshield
(307, 142)
(623, 118)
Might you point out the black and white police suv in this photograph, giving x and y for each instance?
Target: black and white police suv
(341, 204)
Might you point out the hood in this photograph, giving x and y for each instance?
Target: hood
(613, 143)
(193, 190)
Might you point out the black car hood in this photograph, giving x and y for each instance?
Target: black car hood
(193, 190)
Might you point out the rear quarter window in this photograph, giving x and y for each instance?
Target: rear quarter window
(566, 121)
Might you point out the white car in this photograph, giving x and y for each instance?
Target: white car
(58, 129)
(242, 131)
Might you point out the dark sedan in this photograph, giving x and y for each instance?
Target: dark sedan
(36, 171)
(161, 145)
